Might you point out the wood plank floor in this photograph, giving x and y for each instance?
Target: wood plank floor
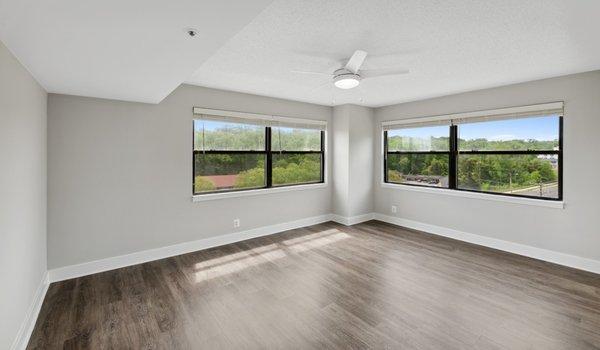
(328, 286)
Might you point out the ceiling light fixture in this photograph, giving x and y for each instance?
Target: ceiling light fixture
(350, 75)
(346, 81)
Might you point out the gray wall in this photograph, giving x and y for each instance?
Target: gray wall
(22, 193)
(341, 159)
(120, 175)
(361, 161)
(352, 160)
(573, 230)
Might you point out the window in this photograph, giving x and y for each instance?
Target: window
(418, 156)
(516, 154)
(297, 156)
(233, 154)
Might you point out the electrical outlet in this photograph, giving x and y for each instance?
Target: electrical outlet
(236, 223)
(394, 209)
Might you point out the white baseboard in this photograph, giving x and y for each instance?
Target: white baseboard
(22, 338)
(88, 268)
(112, 263)
(351, 220)
(516, 248)
(116, 262)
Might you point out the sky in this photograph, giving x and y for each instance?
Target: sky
(538, 128)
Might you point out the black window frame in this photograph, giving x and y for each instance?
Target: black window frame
(454, 153)
(268, 153)
(388, 152)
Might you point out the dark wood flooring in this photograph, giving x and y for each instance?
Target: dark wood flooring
(328, 286)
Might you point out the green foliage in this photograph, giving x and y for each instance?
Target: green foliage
(482, 172)
(287, 139)
(287, 169)
(230, 137)
(394, 176)
(202, 185)
(419, 164)
(535, 177)
(507, 145)
(503, 172)
(251, 137)
(250, 168)
(296, 168)
(251, 178)
(404, 143)
(226, 164)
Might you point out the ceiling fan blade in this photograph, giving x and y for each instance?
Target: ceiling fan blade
(356, 61)
(373, 73)
(309, 72)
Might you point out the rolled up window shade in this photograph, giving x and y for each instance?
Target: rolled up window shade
(229, 119)
(259, 119)
(414, 123)
(511, 113)
(297, 123)
(541, 110)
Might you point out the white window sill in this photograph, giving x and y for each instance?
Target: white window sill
(245, 193)
(482, 196)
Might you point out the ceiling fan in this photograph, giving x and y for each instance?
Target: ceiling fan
(350, 75)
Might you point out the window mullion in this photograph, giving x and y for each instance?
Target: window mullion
(385, 156)
(269, 160)
(452, 166)
(560, 158)
(322, 156)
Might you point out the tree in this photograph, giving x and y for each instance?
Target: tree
(250, 178)
(437, 166)
(201, 184)
(535, 177)
(297, 168)
(547, 173)
(394, 176)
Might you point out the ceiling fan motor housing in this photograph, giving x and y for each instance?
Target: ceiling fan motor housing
(345, 79)
(343, 71)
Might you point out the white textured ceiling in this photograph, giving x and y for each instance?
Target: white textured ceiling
(136, 49)
(122, 49)
(449, 46)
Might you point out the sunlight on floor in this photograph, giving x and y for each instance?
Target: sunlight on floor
(239, 261)
(315, 240)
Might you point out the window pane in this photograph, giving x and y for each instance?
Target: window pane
(527, 175)
(536, 133)
(430, 138)
(292, 139)
(220, 172)
(223, 136)
(418, 169)
(296, 168)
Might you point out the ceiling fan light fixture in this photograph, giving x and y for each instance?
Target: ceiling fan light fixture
(346, 81)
